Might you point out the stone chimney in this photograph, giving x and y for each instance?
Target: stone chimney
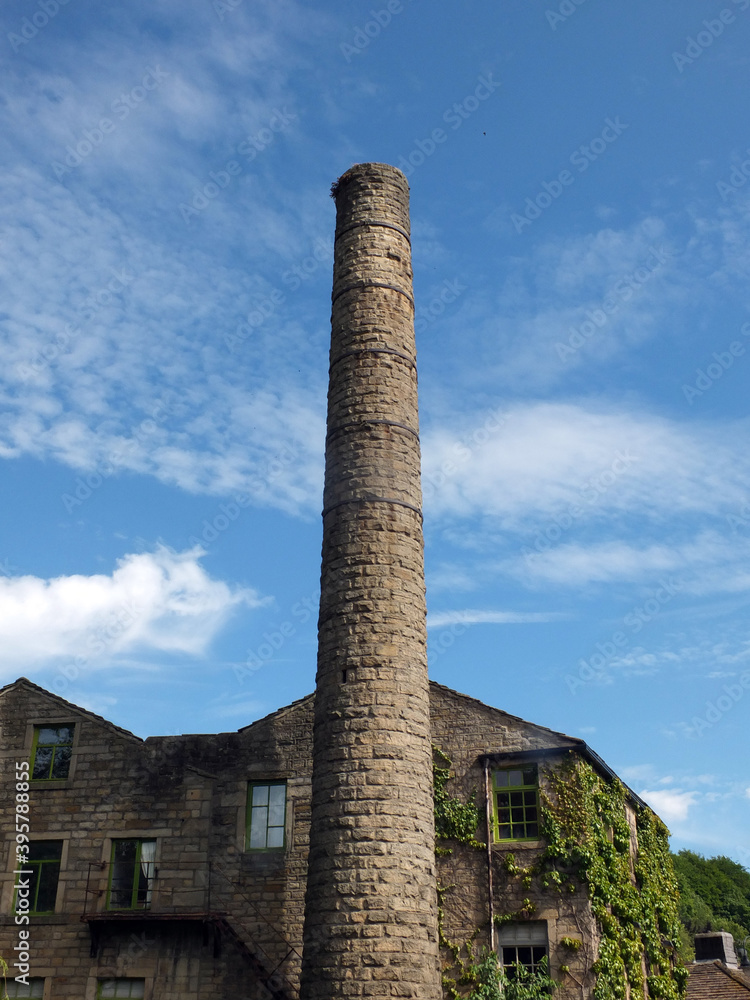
(371, 909)
(713, 945)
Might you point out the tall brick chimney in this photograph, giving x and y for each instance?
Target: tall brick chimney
(371, 909)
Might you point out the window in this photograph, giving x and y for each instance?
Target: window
(131, 878)
(44, 861)
(266, 816)
(516, 807)
(120, 988)
(34, 989)
(523, 944)
(51, 753)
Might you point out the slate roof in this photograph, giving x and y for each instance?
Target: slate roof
(717, 981)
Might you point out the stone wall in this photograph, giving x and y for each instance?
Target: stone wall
(190, 794)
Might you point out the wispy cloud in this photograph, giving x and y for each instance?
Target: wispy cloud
(473, 617)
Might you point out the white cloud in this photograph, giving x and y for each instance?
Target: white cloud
(671, 805)
(471, 617)
(160, 601)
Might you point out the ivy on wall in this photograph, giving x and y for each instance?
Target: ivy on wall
(587, 836)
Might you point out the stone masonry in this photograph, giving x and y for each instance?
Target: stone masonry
(371, 911)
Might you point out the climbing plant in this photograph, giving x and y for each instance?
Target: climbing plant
(587, 838)
(587, 841)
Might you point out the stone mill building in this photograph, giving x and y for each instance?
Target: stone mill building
(296, 857)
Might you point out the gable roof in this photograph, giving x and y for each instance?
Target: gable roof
(717, 981)
(66, 705)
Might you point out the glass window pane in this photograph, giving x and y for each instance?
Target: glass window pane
(516, 798)
(258, 827)
(529, 776)
(45, 850)
(42, 762)
(275, 836)
(503, 832)
(538, 954)
(61, 762)
(503, 799)
(529, 798)
(532, 830)
(501, 779)
(524, 955)
(276, 814)
(515, 777)
(47, 891)
(260, 795)
(34, 989)
(107, 988)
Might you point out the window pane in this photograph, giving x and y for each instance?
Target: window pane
(532, 830)
(275, 836)
(42, 762)
(45, 850)
(529, 798)
(47, 893)
(504, 832)
(258, 827)
(524, 955)
(61, 762)
(34, 989)
(503, 799)
(260, 795)
(516, 798)
(276, 809)
(515, 777)
(501, 779)
(121, 988)
(529, 776)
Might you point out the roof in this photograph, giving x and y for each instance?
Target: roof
(717, 981)
(66, 705)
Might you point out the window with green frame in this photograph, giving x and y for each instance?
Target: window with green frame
(51, 752)
(44, 862)
(523, 944)
(131, 874)
(34, 989)
(266, 816)
(515, 791)
(120, 988)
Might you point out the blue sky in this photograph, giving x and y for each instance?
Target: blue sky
(580, 214)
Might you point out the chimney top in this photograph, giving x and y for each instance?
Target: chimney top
(715, 944)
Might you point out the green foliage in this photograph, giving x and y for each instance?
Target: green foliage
(454, 820)
(585, 827)
(493, 984)
(714, 895)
